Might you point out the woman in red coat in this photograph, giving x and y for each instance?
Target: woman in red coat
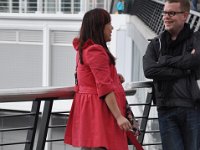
(97, 121)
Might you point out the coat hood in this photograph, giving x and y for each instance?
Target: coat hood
(76, 43)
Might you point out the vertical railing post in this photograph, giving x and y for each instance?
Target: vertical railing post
(145, 115)
(31, 132)
(44, 124)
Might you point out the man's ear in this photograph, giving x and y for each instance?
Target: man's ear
(186, 14)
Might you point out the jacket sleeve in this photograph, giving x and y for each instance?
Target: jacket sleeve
(159, 71)
(99, 63)
(187, 61)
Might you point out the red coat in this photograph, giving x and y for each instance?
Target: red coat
(91, 124)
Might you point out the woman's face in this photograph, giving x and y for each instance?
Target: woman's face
(107, 32)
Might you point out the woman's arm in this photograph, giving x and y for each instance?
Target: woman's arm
(98, 61)
(112, 105)
(121, 78)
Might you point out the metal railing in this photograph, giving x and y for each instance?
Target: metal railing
(150, 12)
(49, 95)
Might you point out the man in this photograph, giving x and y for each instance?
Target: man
(172, 60)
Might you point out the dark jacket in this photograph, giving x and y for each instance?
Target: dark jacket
(174, 75)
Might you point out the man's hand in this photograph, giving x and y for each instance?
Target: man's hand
(193, 51)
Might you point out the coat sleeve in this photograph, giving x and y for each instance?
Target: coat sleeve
(159, 71)
(99, 63)
(187, 61)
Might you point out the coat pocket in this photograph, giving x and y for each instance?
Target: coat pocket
(198, 83)
(195, 89)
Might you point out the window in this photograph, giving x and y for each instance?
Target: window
(31, 6)
(15, 6)
(4, 6)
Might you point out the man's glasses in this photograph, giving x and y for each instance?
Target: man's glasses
(171, 13)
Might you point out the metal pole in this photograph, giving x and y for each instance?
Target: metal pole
(31, 132)
(44, 124)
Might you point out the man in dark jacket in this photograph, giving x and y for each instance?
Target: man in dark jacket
(172, 60)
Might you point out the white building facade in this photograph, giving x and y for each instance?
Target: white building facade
(51, 6)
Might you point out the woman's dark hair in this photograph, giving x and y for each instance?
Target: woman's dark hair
(92, 28)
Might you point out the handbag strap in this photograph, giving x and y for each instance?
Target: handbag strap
(75, 74)
(134, 141)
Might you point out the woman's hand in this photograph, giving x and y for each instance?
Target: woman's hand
(123, 123)
(121, 78)
(111, 102)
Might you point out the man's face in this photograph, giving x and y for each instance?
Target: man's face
(173, 17)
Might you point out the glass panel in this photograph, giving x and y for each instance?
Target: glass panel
(49, 6)
(4, 7)
(31, 6)
(77, 6)
(15, 6)
(66, 6)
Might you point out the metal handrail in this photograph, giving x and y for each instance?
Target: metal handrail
(31, 94)
(18, 115)
(35, 95)
(49, 94)
(15, 129)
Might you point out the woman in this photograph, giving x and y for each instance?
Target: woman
(97, 119)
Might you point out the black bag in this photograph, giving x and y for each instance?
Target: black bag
(131, 118)
(129, 114)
